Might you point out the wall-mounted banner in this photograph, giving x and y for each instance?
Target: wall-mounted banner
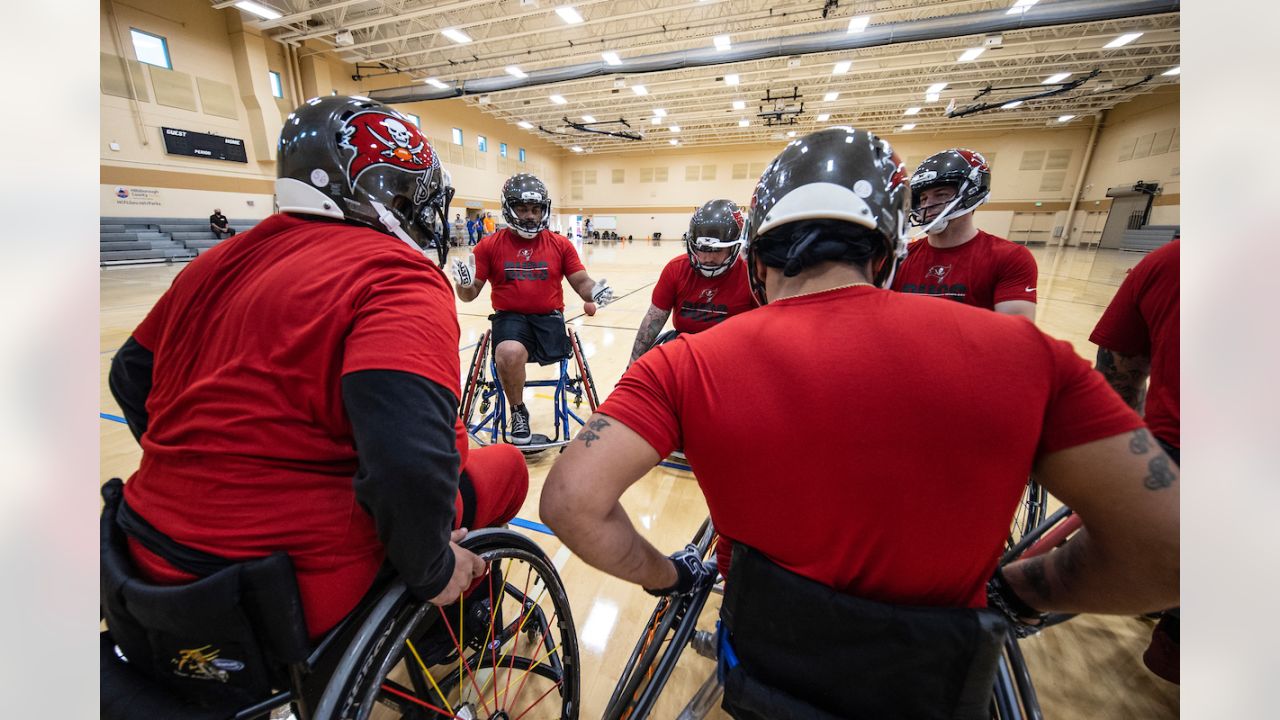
(203, 145)
(137, 196)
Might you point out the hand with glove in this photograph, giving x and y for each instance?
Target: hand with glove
(692, 573)
(601, 295)
(464, 271)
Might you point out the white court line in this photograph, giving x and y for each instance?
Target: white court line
(561, 557)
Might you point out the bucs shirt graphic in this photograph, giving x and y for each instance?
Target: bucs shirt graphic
(982, 272)
(378, 139)
(526, 275)
(698, 302)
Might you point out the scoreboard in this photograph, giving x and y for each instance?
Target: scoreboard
(203, 145)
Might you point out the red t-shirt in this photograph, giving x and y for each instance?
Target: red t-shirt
(930, 416)
(703, 302)
(526, 274)
(982, 272)
(248, 448)
(1142, 319)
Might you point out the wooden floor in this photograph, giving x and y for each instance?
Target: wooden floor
(1088, 668)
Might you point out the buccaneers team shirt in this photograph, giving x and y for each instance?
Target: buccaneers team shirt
(526, 274)
(248, 448)
(982, 272)
(698, 302)
(1143, 319)
(935, 413)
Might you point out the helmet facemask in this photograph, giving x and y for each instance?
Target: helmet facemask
(710, 244)
(525, 189)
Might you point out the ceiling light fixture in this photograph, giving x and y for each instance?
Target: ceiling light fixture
(516, 72)
(568, 14)
(611, 58)
(823, 117)
(259, 9)
(931, 97)
(659, 112)
(912, 111)
(1021, 6)
(830, 96)
(639, 90)
(1123, 40)
(1173, 71)
(1065, 118)
(525, 124)
(588, 119)
(971, 54)
(1011, 105)
(730, 79)
(908, 126)
(435, 83)
(739, 105)
(575, 148)
(842, 67)
(936, 88)
(1056, 78)
(456, 35)
(744, 123)
(558, 99)
(721, 42)
(858, 24)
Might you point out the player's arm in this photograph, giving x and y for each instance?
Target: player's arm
(130, 383)
(648, 332)
(1022, 308)
(1127, 375)
(1016, 284)
(580, 502)
(582, 284)
(403, 425)
(1124, 560)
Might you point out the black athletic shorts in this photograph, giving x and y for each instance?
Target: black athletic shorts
(543, 336)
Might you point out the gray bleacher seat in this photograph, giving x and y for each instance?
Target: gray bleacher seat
(1148, 237)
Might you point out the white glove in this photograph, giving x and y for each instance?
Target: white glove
(464, 271)
(602, 294)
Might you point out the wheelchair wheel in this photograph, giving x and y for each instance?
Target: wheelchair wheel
(670, 627)
(580, 358)
(1030, 512)
(508, 651)
(472, 387)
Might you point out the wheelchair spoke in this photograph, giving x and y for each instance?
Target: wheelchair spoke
(428, 675)
(390, 688)
(462, 655)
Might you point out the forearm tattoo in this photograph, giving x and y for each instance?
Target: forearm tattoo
(648, 332)
(1127, 375)
(592, 431)
(1161, 473)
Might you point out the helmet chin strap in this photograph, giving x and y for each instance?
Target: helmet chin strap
(393, 226)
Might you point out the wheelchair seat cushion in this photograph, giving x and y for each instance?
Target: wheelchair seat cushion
(847, 656)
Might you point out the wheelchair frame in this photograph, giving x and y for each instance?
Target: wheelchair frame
(483, 391)
(379, 627)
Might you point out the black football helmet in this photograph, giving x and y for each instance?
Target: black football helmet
(839, 174)
(523, 188)
(717, 225)
(357, 160)
(965, 170)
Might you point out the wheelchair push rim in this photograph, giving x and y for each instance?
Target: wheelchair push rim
(508, 652)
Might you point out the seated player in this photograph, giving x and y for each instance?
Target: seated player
(708, 283)
(296, 388)
(526, 262)
(219, 224)
(955, 259)
(941, 412)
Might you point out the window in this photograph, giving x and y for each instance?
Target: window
(502, 149)
(277, 90)
(151, 49)
(482, 143)
(521, 154)
(417, 121)
(457, 136)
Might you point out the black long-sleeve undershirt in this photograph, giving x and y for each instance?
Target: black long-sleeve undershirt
(408, 476)
(130, 383)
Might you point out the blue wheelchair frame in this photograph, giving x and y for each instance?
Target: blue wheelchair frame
(482, 388)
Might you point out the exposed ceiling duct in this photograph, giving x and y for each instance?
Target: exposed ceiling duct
(1045, 14)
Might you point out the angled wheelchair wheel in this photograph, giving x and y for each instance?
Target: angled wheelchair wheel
(670, 627)
(1030, 512)
(509, 650)
(473, 387)
(580, 359)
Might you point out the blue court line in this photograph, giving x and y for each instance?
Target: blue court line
(113, 418)
(531, 525)
(674, 466)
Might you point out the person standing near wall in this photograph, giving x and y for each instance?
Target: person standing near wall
(488, 224)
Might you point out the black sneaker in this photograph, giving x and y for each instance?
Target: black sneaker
(520, 433)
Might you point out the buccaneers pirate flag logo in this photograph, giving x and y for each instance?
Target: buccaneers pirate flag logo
(378, 138)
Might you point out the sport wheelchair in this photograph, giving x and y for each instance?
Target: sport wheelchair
(483, 407)
(508, 650)
(673, 625)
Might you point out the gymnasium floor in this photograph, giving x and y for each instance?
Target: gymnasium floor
(1088, 668)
